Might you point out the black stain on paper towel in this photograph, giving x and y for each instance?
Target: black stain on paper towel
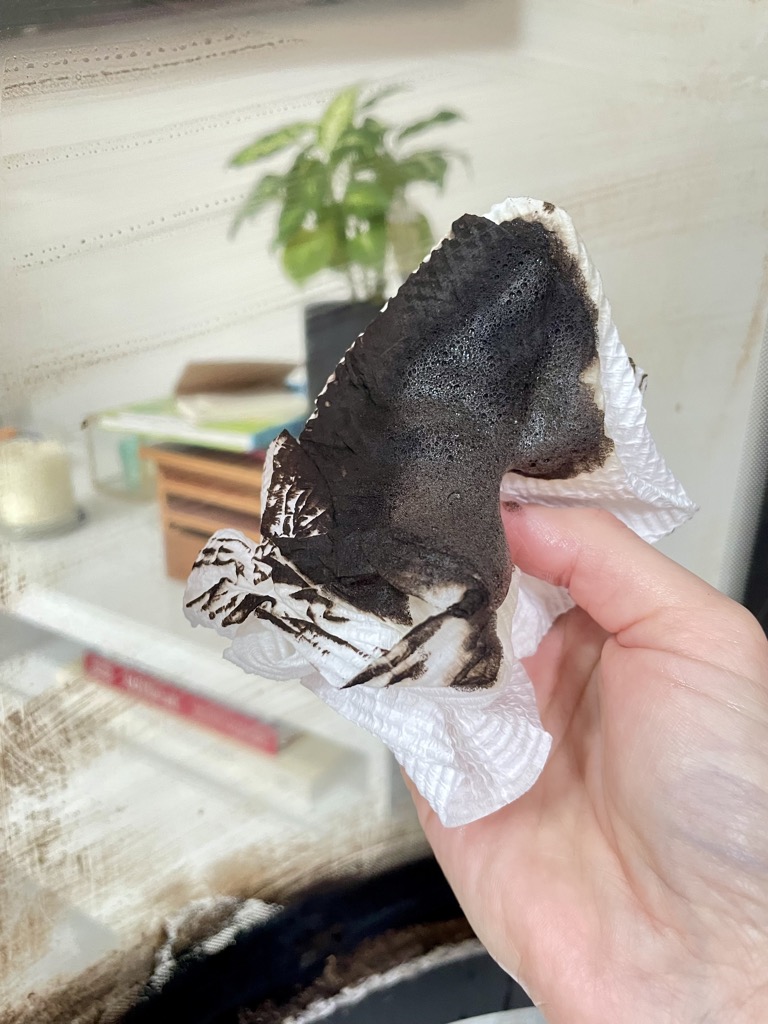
(479, 366)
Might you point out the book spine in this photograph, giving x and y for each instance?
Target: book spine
(146, 426)
(176, 701)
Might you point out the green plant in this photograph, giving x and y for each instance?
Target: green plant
(343, 203)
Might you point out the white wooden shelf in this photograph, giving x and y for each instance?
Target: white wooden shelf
(136, 815)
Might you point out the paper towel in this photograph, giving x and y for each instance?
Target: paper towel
(469, 752)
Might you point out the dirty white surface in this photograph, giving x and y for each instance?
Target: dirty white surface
(116, 817)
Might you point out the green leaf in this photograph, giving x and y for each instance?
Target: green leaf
(307, 182)
(291, 219)
(384, 169)
(355, 138)
(374, 128)
(337, 117)
(340, 259)
(441, 117)
(369, 247)
(411, 240)
(309, 251)
(333, 218)
(364, 149)
(274, 142)
(429, 165)
(270, 187)
(361, 143)
(366, 199)
(382, 94)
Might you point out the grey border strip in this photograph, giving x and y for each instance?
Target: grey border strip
(750, 483)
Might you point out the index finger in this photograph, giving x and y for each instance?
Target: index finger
(628, 587)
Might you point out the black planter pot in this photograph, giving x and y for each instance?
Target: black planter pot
(356, 925)
(329, 330)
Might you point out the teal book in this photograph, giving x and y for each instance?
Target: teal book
(161, 420)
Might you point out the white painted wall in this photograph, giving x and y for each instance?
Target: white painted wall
(647, 122)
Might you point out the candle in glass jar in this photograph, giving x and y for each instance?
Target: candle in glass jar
(35, 485)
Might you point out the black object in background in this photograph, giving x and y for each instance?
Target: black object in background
(18, 17)
(450, 992)
(756, 595)
(329, 330)
(274, 961)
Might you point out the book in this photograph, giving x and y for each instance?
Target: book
(275, 406)
(267, 737)
(292, 779)
(162, 419)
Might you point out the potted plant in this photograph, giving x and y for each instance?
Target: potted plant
(344, 207)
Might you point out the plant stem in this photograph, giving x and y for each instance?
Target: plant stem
(350, 281)
(354, 277)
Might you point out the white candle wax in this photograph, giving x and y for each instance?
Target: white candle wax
(35, 484)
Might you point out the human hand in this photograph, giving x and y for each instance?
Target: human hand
(630, 884)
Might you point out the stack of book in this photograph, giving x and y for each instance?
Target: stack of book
(239, 422)
(264, 758)
(207, 443)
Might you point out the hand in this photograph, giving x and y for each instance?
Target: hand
(630, 885)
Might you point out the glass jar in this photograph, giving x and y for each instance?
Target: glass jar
(114, 463)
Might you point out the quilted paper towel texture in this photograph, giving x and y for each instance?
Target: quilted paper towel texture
(381, 581)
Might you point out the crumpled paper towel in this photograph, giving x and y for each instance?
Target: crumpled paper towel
(468, 752)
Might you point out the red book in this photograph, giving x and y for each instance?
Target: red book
(177, 701)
